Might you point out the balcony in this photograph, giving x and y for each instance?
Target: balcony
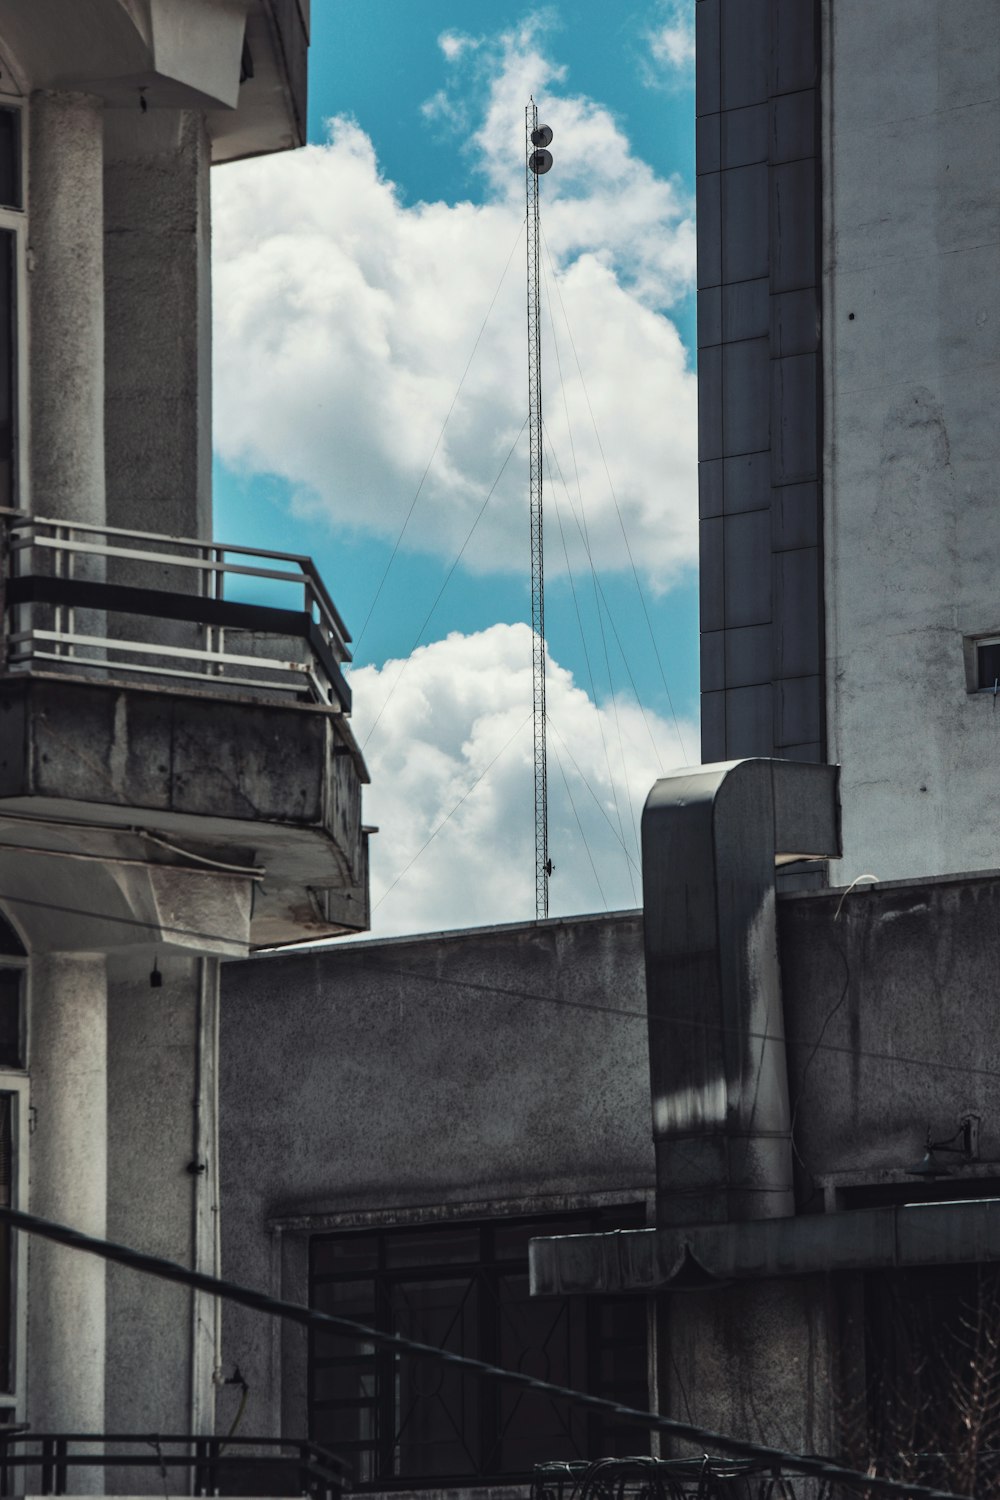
(193, 692)
(64, 582)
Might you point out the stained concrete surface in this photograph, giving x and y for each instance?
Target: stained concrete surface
(421, 1077)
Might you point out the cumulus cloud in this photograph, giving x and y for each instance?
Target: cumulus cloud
(454, 43)
(451, 760)
(345, 319)
(671, 43)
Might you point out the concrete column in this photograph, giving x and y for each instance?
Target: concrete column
(162, 1195)
(158, 322)
(66, 1329)
(66, 306)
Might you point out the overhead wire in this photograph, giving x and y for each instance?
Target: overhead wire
(590, 675)
(464, 797)
(614, 496)
(167, 1270)
(363, 949)
(584, 537)
(597, 602)
(579, 825)
(602, 809)
(437, 444)
(437, 599)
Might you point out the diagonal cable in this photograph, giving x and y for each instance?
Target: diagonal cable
(466, 794)
(614, 496)
(437, 444)
(437, 598)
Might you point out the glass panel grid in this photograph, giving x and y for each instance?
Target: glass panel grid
(410, 1422)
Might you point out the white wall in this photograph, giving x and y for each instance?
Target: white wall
(912, 322)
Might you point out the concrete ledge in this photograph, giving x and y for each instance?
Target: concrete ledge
(650, 1260)
(232, 781)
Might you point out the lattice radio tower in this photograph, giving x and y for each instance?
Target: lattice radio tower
(537, 159)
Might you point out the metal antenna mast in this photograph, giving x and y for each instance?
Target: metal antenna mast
(536, 161)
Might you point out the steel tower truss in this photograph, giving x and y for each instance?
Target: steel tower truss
(542, 866)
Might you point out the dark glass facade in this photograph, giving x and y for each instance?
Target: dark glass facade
(760, 379)
(464, 1287)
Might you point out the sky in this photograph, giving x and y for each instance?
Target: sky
(370, 395)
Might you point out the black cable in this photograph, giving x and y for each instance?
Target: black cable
(579, 825)
(593, 694)
(621, 521)
(296, 1312)
(437, 600)
(599, 587)
(454, 810)
(966, 1070)
(444, 424)
(590, 789)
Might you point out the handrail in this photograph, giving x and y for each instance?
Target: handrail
(319, 1473)
(61, 589)
(209, 557)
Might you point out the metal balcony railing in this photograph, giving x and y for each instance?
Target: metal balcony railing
(103, 599)
(250, 1466)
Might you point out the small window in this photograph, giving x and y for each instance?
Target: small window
(988, 666)
(11, 194)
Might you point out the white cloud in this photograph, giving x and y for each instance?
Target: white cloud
(344, 320)
(454, 43)
(671, 43)
(461, 711)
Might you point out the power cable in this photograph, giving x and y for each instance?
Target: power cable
(965, 1070)
(465, 795)
(296, 1312)
(584, 537)
(437, 600)
(603, 810)
(579, 825)
(597, 605)
(593, 689)
(621, 522)
(688, 1023)
(444, 424)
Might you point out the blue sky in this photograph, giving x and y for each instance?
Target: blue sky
(423, 96)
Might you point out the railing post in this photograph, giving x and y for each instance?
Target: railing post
(46, 1479)
(200, 1485)
(62, 1449)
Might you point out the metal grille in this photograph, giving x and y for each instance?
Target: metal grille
(464, 1287)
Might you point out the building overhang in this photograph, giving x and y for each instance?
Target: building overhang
(242, 62)
(144, 801)
(701, 1256)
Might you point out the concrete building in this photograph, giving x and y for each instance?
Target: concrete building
(849, 250)
(178, 780)
(822, 1075)
(444, 1110)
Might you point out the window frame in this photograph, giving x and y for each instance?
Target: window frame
(488, 1268)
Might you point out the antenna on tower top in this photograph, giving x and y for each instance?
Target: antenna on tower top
(538, 160)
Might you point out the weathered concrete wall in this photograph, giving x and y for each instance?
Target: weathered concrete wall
(421, 1075)
(898, 988)
(66, 307)
(158, 408)
(66, 1318)
(161, 1060)
(912, 379)
(753, 1360)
